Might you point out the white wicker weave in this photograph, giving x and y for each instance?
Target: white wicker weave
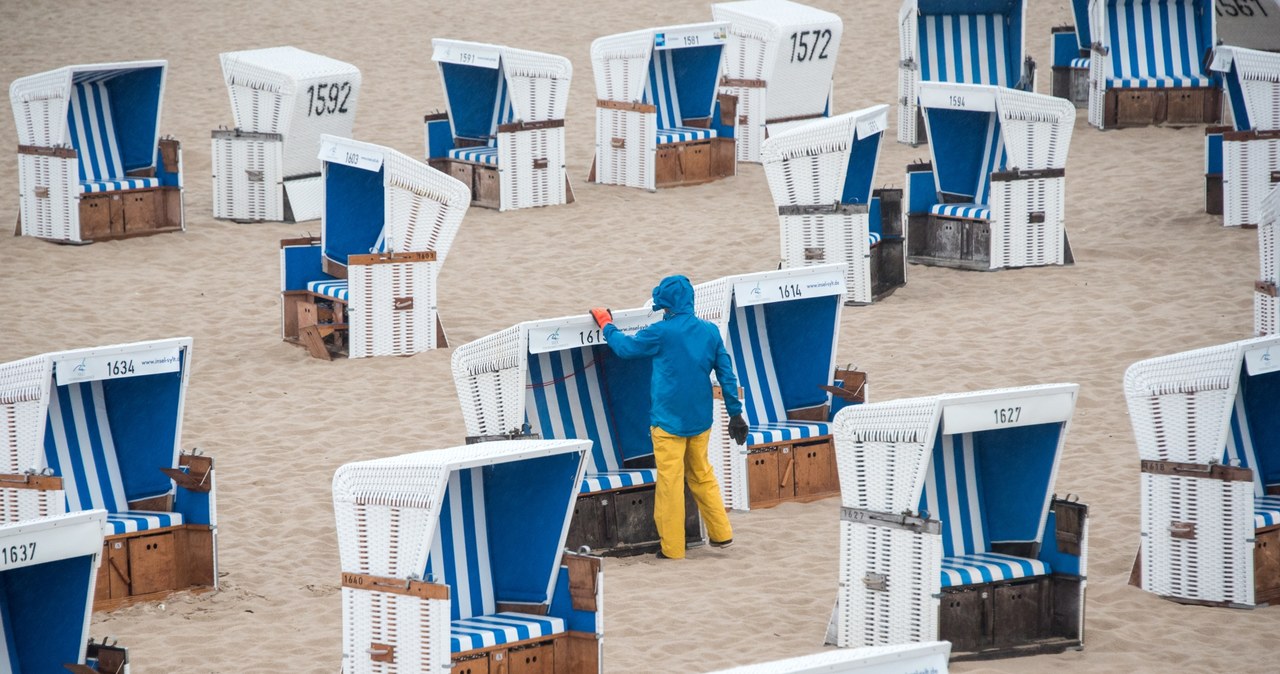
(1266, 310)
(884, 451)
(387, 513)
(1249, 161)
(1035, 131)
(787, 52)
(49, 178)
(926, 657)
(806, 166)
(283, 99)
(714, 301)
(1181, 409)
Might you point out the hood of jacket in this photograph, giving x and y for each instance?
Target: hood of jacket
(674, 294)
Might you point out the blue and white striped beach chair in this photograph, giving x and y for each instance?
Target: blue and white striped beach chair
(48, 569)
(981, 42)
(560, 379)
(456, 557)
(283, 100)
(821, 174)
(781, 329)
(91, 162)
(1246, 155)
(368, 286)
(950, 528)
(1148, 60)
(503, 130)
(1205, 425)
(993, 196)
(1070, 47)
(659, 120)
(100, 429)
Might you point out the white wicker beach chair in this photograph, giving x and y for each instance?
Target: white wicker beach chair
(559, 379)
(1266, 307)
(781, 329)
(994, 195)
(1070, 47)
(503, 132)
(1147, 64)
(91, 162)
(48, 568)
(1205, 425)
(927, 657)
(1246, 154)
(821, 175)
(659, 120)
(964, 43)
(368, 285)
(100, 429)
(283, 100)
(779, 61)
(950, 528)
(454, 560)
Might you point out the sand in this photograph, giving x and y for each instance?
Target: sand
(1154, 275)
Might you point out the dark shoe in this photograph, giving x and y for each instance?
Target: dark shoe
(722, 544)
(660, 555)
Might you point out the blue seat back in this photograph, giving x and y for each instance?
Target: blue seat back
(953, 495)
(967, 148)
(660, 89)
(1157, 43)
(459, 554)
(968, 49)
(80, 447)
(565, 399)
(753, 363)
(478, 101)
(93, 134)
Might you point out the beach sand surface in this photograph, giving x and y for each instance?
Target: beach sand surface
(1154, 275)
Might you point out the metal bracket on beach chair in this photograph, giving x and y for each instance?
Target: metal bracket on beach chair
(876, 582)
(892, 520)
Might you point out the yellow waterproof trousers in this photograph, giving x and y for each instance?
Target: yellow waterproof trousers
(681, 460)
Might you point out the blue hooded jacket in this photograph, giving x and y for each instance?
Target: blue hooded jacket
(685, 350)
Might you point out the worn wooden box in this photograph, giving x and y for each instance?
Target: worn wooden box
(620, 522)
(1137, 107)
(149, 564)
(532, 659)
(1020, 612)
(770, 476)
(101, 215)
(816, 476)
(1266, 565)
(474, 665)
(1060, 82)
(950, 242)
(963, 615)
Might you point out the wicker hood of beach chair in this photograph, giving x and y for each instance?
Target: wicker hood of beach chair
(101, 429)
(283, 99)
(91, 162)
(951, 528)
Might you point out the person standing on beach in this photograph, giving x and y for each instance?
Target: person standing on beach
(685, 350)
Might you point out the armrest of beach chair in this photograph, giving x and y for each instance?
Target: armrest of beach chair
(30, 481)
(724, 115)
(438, 135)
(169, 162)
(577, 599)
(194, 498)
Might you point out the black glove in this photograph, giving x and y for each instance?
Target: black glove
(738, 429)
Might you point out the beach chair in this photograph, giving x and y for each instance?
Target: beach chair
(48, 566)
(1147, 64)
(950, 528)
(821, 175)
(781, 329)
(994, 195)
(367, 286)
(1266, 307)
(659, 119)
(91, 163)
(454, 560)
(1205, 425)
(1246, 155)
(503, 132)
(982, 42)
(1070, 47)
(101, 429)
(927, 657)
(779, 61)
(282, 100)
(560, 379)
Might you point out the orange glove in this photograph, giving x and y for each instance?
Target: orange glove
(602, 315)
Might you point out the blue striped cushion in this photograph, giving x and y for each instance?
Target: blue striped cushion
(660, 90)
(500, 628)
(785, 431)
(953, 495)
(1153, 44)
(92, 131)
(1080, 63)
(335, 288)
(77, 435)
(140, 520)
(464, 568)
(753, 361)
(477, 154)
(683, 134)
(986, 567)
(606, 481)
(965, 48)
(874, 238)
(1266, 511)
(88, 187)
(564, 399)
(967, 211)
